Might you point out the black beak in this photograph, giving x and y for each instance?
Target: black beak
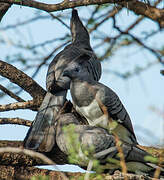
(66, 73)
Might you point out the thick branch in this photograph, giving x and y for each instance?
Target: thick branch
(24, 173)
(31, 154)
(28, 153)
(3, 9)
(16, 159)
(17, 165)
(21, 79)
(138, 7)
(17, 121)
(144, 9)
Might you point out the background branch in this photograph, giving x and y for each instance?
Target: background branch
(11, 94)
(137, 7)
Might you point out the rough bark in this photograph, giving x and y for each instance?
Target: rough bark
(21, 173)
(16, 120)
(21, 79)
(19, 166)
(26, 83)
(16, 159)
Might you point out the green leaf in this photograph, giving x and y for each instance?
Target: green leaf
(151, 159)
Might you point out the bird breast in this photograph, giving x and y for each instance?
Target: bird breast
(93, 114)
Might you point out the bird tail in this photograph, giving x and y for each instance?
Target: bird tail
(41, 135)
(140, 161)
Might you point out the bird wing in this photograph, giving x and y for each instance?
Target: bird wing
(116, 111)
(84, 137)
(41, 135)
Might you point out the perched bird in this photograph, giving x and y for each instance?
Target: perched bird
(75, 140)
(99, 104)
(41, 134)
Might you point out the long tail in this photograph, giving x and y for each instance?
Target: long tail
(41, 135)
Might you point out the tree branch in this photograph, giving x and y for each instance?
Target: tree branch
(158, 56)
(21, 79)
(136, 6)
(144, 9)
(16, 120)
(162, 72)
(33, 154)
(11, 94)
(27, 152)
(16, 164)
(25, 173)
(32, 104)
(3, 9)
(16, 159)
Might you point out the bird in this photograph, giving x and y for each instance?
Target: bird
(75, 140)
(40, 136)
(99, 104)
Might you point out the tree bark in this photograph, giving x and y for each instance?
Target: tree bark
(24, 173)
(138, 7)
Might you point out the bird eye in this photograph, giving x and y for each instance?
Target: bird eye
(77, 69)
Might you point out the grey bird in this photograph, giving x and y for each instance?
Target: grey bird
(41, 134)
(100, 145)
(99, 104)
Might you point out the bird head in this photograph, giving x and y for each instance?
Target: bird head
(77, 69)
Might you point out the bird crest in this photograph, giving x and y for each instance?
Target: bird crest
(80, 35)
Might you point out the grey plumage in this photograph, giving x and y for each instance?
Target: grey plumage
(99, 105)
(85, 137)
(40, 136)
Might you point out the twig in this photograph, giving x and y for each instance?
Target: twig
(48, 57)
(122, 158)
(104, 152)
(62, 22)
(129, 74)
(11, 94)
(24, 22)
(112, 13)
(89, 168)
(93, 14)
(138, 41)
(16, 120)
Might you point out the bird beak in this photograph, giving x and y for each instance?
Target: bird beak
(66, 73)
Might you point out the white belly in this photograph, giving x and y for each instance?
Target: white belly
(93, 114)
